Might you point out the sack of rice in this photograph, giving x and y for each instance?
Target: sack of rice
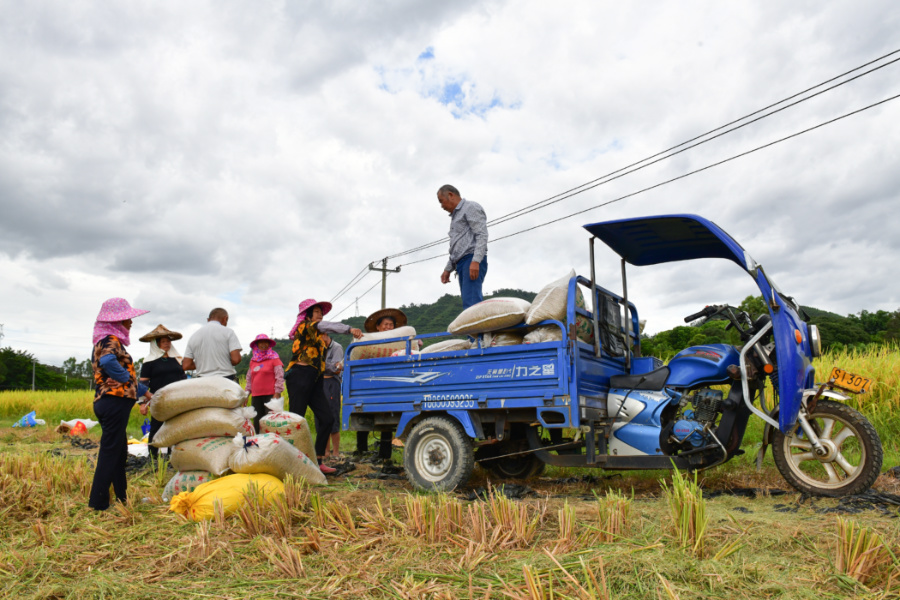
(270, 453)
(185, 481)
(490, 315)
(212, 454)
(230, 491)
(544, 333)
(291, 427)
(197, 392)
(382, 350)
(584, 327)
(205, 422)
(506, 338)
(447, 346)
(550, 303)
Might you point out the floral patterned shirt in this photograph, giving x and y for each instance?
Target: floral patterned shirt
(309, 347)
(111, 345)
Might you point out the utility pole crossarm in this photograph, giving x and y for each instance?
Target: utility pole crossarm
(384, 271)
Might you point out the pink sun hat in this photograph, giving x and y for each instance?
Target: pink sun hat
(118, 309)
(304, 307)
(262, 338)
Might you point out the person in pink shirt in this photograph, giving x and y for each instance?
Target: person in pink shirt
(265, 377)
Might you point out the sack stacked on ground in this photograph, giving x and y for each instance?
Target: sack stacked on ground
(550, 303)
(203, 392)
(270, 453)
(291, 427)
(446, 346)
(382, 350)
(185, 481)
(230, 491)
(490, 315)
(211, 454)
(205, 422)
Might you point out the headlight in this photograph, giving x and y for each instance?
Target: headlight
(815, 340)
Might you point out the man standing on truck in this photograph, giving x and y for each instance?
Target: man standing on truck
(468, 244)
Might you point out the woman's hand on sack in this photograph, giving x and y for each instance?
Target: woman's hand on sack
(145, 408)
(357, 333)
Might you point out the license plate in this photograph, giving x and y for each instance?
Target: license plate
(849, 381)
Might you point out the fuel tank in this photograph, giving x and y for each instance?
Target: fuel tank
(706, 364)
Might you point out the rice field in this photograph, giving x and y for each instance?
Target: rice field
(577, 534)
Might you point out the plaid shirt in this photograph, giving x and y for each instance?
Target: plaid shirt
(468, 233)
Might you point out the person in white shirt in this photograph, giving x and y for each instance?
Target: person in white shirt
(214, 349)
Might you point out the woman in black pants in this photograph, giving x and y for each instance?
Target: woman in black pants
(304, 372)
(117, 389)
(161, 367)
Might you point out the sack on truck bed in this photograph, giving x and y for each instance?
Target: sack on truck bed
(212, 454)
(185, 481)
(447, 346)
(492, 339)
(199, 505)
(205, 422)
(550, 303)
(291, 427)
(197, 392)
(490, 315)
(270, 453)
(382, 350)
(544, 333)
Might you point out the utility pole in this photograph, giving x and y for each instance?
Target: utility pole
(384, 271)
(357, 307)
(34, 362)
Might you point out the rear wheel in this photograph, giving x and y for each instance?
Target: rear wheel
(853, 456)
(438, 455)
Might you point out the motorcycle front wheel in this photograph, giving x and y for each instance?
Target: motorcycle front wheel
(851, 464)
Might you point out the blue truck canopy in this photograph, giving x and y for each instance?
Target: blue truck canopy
(669, 238)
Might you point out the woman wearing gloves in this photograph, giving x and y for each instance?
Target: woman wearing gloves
(304, 373)
(265, 377)
(161, 367)
(117, 389)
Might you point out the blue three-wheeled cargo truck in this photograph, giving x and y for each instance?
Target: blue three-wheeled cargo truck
(602, 404)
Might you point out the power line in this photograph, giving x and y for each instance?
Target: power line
(683, 176)
(665, 154)
(356, 279)
(339, 313)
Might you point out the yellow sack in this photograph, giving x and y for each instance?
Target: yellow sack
(199, 505)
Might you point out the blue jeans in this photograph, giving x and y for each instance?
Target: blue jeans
(469, 289)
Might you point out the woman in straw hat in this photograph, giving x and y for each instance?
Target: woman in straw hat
(385, 319)
(304, 372)
(265, 376)
(117, 389)
(161, 367)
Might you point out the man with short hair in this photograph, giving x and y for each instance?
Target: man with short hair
(468, 244)
(214, 349)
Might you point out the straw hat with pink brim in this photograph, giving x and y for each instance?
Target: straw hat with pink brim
(118, 309)
(262, 338)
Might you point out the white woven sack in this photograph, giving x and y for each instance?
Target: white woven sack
(197, 392)
(211, 454)
(270, 453)
(291, 427)
(447, 346)
(550, 303)
(205, 422)
(382, 350)
(490, 315)
(506, 339)
(545, 333)
(185, 481)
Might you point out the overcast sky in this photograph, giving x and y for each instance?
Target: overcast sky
(187, 155)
